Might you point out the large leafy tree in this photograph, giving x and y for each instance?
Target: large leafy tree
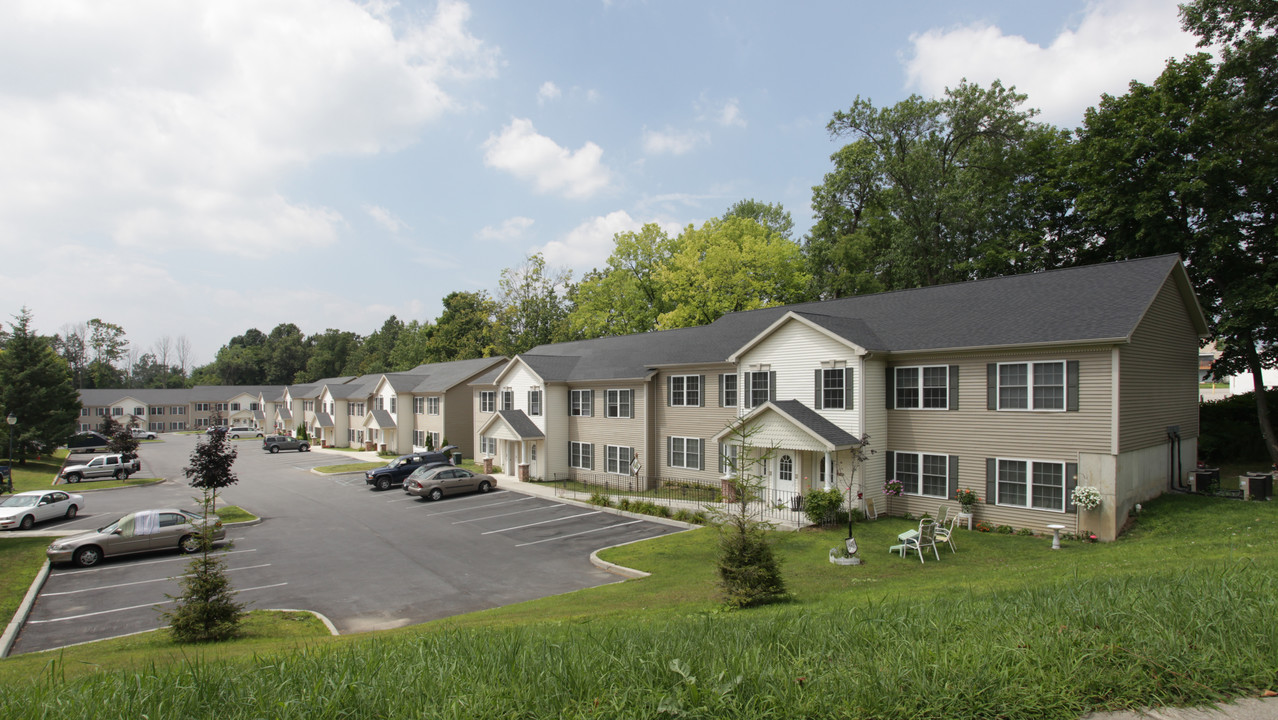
(285, 352)
(921, 195)
(109, 345)
(466, 329)
(1189, 165)
(35, 386)
(625, 297)
(330, 353)
(532, 309)
(728, 265)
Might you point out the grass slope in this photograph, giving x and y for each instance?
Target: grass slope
(1179, 611)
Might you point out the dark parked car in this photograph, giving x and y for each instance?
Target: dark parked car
(276, 443)
(401, 467)
(88, 441)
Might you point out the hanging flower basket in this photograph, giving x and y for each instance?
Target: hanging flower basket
(1086, 497)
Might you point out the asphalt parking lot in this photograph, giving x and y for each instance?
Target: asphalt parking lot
(366, 560)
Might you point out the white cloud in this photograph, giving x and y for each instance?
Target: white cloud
(385, 218)
(672, 142)
(588, 245)
(527, 155)
(510, 229)
(1114, 42)
(730, 114)
(176, 124)
(548, 91)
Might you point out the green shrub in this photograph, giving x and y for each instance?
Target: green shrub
(1230, 432)
(600, 499)
(1003, 529)
(749, 571)
(820, 505)
(624, 503)
(1025, 532)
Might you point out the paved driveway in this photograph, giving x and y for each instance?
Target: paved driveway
(367, 560)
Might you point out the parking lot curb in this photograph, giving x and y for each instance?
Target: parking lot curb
(24, 609)
(156, 481)
(316, 471)
(332, 629)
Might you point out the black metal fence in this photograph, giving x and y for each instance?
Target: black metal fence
(679, 493)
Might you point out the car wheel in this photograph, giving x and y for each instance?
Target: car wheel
(127, 473)
(436, 494)
(485, 486)
(303, 448)
(383, 483)
(189, 544)
(27, 523)
(71, 512)
(87, 556)
(73, 478)
(275, 449)
(117, 474)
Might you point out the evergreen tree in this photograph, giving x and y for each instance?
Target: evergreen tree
(36, 387)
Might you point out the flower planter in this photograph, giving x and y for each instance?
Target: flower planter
(837, 560)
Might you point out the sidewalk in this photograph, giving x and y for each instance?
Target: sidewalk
(1244, 709)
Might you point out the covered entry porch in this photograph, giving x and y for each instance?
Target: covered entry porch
(515, 443)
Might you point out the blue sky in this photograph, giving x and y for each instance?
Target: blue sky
(199, 168)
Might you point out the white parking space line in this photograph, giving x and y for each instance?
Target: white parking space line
(543, 522)
(583, 532)
(139, 582)
(137, 607)
(517, 512)
(477, 507)
(179, 558)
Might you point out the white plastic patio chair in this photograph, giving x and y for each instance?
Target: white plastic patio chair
(925, 539)
(945, 533)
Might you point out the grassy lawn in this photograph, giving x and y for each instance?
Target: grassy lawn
(350, 467)
(20, 560)
(1178, 611)
(234, 514)
(38, 474)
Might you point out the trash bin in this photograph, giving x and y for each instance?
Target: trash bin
(457, 458)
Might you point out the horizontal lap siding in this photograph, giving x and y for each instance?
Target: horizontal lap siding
(555, 406)
(794, 351)
(975, 433)
(1158, 375)
(458, 418)
(599, 430)
(695, 422)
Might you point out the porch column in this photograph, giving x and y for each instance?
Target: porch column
(829, 470)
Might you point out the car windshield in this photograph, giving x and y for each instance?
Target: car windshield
(20, 501)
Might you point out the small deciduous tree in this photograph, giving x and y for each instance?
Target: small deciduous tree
(749, 571)
(206, 610)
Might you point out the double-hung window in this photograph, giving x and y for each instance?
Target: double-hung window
(419, 405)
(617, 460)
(487, 401)
(419, 438)
(758, 387)
(922, 474)
(487, 445)
(685, 391)
(392, 404)
(1031, 386)
(685, 452)
(925, 387)
(728, 390)
(581, 456)
(1031, 483)
(581, 403)
(507, 399)
(728, 459)
(432, 406)
(619, 404)
(534, 402)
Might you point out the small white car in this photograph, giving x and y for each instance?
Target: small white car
(236, 433)
(25, 509)
(141, 434)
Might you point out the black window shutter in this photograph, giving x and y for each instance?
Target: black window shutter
(589, 410)
(530, 402)
(890, 461)
(571, 395)
(1071, 482)
(991, 386)
(991, 480)
(746, 395)
(631, 404)
(701, 391)
(1071, 386)
(954, 471)
(889, 381)
(592, 455)
(669, 452)
(701, 454)
(954, 388)
(849, 395)
(669, 389)
(721, 381)
(772, 385)
(817, 403)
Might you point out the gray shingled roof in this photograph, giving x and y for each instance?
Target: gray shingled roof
(383, 419)
(521, 424)
(812, 420)
(442, 377)
(90, 397)
(1088, 303)
(324, 419)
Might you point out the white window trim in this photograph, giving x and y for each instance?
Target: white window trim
(1029, 387)
(581, 403)
(535, 402)
(735, 390)
(584, 452)
(608, 404)
(945, 494)
(433, 405)
(1029, 484)
(487, 401)
(697, 456)
(896, 387)
(684, 379)
(728, 458)
(610, 462)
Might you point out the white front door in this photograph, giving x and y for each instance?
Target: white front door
(787, 466)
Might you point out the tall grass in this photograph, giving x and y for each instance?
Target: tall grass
(1191, 635)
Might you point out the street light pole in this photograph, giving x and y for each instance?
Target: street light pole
(12, 420)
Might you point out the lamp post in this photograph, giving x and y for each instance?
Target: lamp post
(12, 420)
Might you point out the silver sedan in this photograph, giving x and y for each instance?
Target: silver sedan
(143, 531)
(434, 483)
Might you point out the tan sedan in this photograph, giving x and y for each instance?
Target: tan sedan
(137, 532)
(434, 483)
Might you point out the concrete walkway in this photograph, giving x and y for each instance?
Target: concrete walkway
(1244, 709)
